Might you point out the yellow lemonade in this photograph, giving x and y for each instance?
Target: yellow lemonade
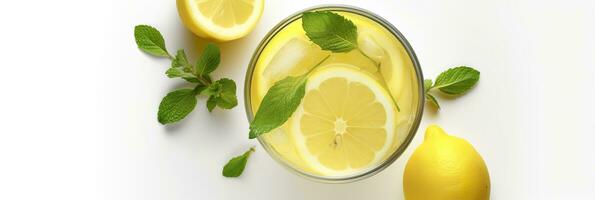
(382, 71)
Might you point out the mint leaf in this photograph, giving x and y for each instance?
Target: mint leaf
(176, 105)
(182, 72)
(209, 60)
(432, 100)
(207, 78)
(180, 60)
(227, 98)
(214, 89)
(457, 80)
(222, 93)
(278, 105)
(199, 88)
(427, 85)
(236, 165)
(175, 72)
(150, 40)
(330, 31)
(181, 68)
(192, 80)
(211, 103)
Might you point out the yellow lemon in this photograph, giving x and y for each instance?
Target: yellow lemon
(345, 123)
(445, 167)
(221, 20)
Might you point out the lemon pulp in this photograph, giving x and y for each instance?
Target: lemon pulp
(220, 19)
(226, 13)
(345, 121)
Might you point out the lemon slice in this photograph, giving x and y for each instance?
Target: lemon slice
(222, 20)
(345, 123)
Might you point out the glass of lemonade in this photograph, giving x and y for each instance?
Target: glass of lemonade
(348, 125)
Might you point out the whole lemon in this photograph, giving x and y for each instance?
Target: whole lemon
(445, 167)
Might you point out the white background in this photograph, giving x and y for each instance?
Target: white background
(78, 101)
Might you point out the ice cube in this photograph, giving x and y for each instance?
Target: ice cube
(370, 46)
(294, 58)
(354, 58)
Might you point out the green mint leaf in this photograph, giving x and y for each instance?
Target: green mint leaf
(236, 165)
(427, 85)
(214, 89)
(180, 60)
(199, 88)
(180, 67)
(211, 103)
(182, 72)
(278, 105)
(176, 105)
(330, 31)
(457, 80)
(209, 60)
(432, 100)
(227, 98)
(207, 78)
(175, 72)
(222, 93)
(192, 80)
(150, 40)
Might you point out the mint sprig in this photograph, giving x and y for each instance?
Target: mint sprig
(222, 93)
(178, 104)
(235, 166)
(454, 81)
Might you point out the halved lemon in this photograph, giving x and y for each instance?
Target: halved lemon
(346, 122)
(221, 20)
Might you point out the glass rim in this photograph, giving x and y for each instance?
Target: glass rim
(412, 56)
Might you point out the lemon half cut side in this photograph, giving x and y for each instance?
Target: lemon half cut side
(345, 123)
(221, 20)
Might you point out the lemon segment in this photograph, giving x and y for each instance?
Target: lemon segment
(345, 123)
(221, 20)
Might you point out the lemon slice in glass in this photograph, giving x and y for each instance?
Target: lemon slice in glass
(221, 20)
(345, 123)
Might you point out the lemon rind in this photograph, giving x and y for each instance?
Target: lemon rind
(204, 27)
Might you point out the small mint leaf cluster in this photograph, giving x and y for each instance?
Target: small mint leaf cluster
(454, 81)
(179, 103)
